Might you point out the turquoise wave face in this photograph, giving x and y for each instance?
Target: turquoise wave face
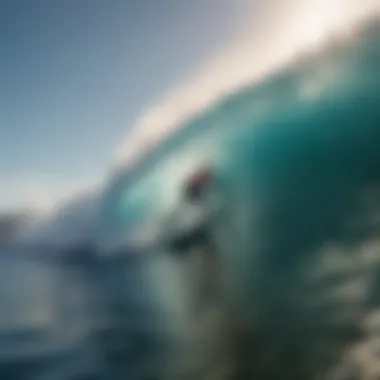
(297, 160)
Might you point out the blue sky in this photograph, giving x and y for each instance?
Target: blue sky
(75, 75)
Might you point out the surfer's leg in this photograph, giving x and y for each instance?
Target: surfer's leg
(210, 278)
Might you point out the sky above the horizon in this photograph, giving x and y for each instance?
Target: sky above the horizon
(77, 76)
(74, 75)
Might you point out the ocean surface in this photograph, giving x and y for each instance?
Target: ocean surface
(62, 320)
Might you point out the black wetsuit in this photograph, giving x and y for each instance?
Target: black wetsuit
(200, 238)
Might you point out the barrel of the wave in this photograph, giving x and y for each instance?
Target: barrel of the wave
(299, 169)
(44, 333)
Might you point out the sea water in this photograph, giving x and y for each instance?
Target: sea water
(73, 320)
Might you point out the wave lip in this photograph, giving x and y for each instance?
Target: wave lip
(306, 26)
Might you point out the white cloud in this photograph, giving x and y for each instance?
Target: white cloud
(287, 28)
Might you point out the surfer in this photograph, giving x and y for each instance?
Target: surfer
(196, 235)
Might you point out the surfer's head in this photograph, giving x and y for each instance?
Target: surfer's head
(196, 186)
